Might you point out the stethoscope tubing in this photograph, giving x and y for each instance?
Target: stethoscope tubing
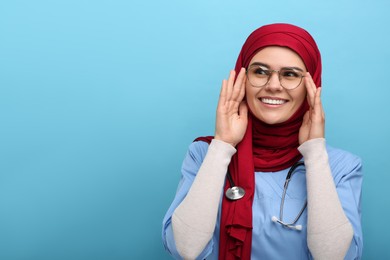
(287, 181)
(236, 193)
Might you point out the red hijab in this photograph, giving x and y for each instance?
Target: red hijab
(264, 147)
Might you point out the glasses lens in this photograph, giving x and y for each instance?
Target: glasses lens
(289, 78)
(257, 75)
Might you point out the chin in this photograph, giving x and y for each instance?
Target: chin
(271, 120)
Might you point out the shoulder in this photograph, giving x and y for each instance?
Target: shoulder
(197, 151)
(343, 163)
(341, 157)
(198, 147)
(218, 149)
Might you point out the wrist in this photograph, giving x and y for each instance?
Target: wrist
(227, 142)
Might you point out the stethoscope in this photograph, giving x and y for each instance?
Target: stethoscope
(236, 193)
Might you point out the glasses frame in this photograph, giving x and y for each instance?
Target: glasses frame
(270, 75)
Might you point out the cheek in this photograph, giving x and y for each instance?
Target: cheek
(301, 96)
(249, 95)
(250, 98)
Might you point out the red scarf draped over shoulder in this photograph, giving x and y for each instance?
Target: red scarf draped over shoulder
(264, 147)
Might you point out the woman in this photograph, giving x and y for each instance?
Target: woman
(269, 118)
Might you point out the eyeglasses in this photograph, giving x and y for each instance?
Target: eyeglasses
(259, 76)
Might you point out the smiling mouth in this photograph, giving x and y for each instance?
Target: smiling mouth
(271, 101)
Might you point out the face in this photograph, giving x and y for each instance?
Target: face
(272, 103)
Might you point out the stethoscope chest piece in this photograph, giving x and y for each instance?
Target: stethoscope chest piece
(235, 193)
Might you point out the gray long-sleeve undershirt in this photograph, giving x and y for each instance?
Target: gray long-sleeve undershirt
(329, 232)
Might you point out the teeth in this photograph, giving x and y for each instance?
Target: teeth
(273, 101)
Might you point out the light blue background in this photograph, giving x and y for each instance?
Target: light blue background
(99, 101)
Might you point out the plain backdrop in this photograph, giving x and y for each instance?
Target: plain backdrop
(99, 101)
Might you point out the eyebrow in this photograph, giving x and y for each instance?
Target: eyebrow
(268, 67)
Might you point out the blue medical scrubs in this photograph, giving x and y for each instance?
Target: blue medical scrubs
(271, 240)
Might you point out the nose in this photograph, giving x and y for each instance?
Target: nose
(274, 82)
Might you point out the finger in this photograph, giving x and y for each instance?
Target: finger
(318, 105)
(230, 85)
(237, 86)
(318, 119)
(311, 89)
(222, 94)
(241, 79)
(321, 107)
(312, 84)
(317, 101)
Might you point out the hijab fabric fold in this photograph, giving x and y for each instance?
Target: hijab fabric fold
(264, 147)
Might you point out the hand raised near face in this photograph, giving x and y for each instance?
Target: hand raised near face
(313, 125)
(232, 110)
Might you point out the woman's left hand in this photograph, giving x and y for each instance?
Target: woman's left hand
(313, 125)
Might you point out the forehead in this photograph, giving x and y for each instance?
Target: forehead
(278, 57)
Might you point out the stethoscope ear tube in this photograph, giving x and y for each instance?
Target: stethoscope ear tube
(291, 226)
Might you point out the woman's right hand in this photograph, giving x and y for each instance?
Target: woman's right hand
(232, 110)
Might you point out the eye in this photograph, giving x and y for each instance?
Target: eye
(290, 74)
(259, 71)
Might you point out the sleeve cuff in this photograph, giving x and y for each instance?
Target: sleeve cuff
(222, 148)
(313, 148)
